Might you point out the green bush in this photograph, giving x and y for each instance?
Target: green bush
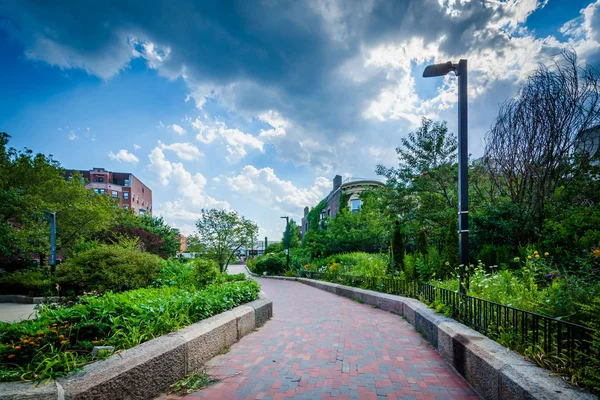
(272, 265)
(59, 341)
(359, 263)
(205, 272)
(108, 267)
(35, 281)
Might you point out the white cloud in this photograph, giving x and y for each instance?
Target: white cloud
(265, 187)
(136, 147)
(177, 129)
(160, 165)
(124, 156)
(73, 136)
(237, 142)
(185, 151)
(160, 125)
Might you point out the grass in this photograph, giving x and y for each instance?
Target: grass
(193, 383)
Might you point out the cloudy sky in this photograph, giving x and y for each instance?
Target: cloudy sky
(255, 105)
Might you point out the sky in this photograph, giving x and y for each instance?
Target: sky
(255, 105)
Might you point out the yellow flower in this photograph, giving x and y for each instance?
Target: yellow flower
(529, 257)
(535, 252)
(546, 254)
(537, 256)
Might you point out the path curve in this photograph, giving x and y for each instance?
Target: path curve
(321, 346)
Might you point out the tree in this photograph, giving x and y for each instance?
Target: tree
(536, 143)
(224, 233)
(168, 235)
(291, 234)
(422, 190)
(32, 184)
(397, 248)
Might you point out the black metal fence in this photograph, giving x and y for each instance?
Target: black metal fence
(519, 329)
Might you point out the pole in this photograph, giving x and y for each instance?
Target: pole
(287, 236)
(52, 261)
(463, 176)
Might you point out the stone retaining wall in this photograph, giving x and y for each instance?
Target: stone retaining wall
(147, 370)
(492, 370)
(17, 298)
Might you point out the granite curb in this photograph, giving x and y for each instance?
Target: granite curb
(21, 299)
(147, 370)
(495, 372)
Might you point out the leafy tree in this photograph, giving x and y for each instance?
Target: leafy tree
(536, 146)
(398, 248)
(32, 184)
(160, 228)
(224, 233)
(422, 190)
(291, 234)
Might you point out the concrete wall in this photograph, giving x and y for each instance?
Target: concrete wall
(148, 370)
(492, 370)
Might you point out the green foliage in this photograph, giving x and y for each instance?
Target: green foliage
(366, 231)
(223, 233)
(314, 215)
(272, 264)
(205, 271)
(590, 373)
(193, 383)
(108, 267)
(36, 281)
(398, 248)
(168, 235)
(291, 234)
(59, 341)
(451, 248)
(422, 242)
(31, 184)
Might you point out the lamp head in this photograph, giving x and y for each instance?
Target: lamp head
(438, 69)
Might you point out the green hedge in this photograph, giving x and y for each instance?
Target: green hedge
(108, 267)
(59, 341)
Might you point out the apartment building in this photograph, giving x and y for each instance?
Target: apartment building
(123, 186)
(352, 187)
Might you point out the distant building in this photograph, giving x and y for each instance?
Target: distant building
(588, 142)
(182, 243)
(351, 186)
(123, 186)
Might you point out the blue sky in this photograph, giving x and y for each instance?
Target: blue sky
(256, 105)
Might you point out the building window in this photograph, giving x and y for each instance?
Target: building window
(142, 191)
(126, 207)
(99, 191)
(99, 179)
(355, 205)
(125, 195)
(115, 194)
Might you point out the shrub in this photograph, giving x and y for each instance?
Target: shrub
(272, 265)
(59, 341)
(108, 267)
(205, 272)
(359, 263)
(35, 281)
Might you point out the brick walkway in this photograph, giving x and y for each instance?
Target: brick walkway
(322, 346)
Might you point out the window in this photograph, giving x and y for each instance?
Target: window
(126, 207)
(99, 191)
(99, 179)
(115, 194)
(355, 205)
(125, 195)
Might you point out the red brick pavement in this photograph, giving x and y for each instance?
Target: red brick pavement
(322, 346)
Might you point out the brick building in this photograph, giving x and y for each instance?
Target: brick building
(126, 187)
(352, 187)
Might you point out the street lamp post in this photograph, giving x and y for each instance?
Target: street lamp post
(460, 70)
(287, 239)
(52, 260)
